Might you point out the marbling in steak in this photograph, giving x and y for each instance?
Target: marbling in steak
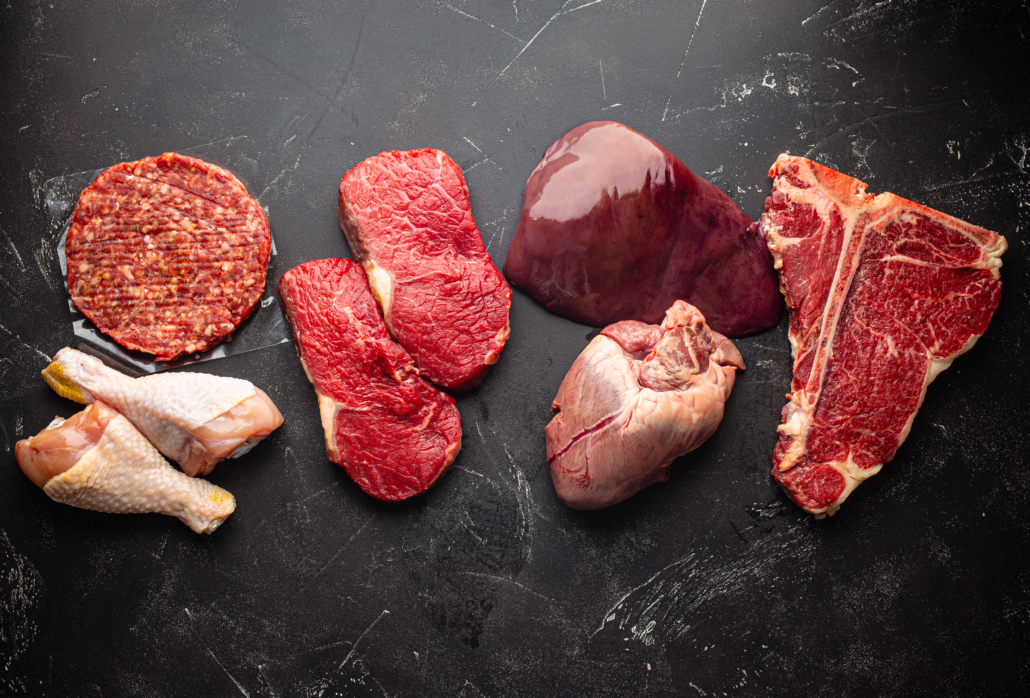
(392, 431)
(167, 255)
(409, 222)
(883, 294)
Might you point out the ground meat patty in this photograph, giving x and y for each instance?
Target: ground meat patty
(167, 255)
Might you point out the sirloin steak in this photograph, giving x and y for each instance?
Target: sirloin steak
(409, 222)
(392, 431)
(883, 294)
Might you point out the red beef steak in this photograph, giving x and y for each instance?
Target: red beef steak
(409, 222)
(883, 294)
(392, 431)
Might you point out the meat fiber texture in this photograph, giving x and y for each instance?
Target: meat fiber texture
(392, 430)
(167, 255)
(883, 294)
(408, 220)
(615, 227)
(637, 398)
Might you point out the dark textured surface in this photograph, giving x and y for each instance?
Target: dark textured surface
(709, 584)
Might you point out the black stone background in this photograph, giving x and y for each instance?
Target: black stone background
(712, 584)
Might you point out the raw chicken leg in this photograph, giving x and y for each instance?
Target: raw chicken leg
(195, 419)
(638, 397)
(97, 460)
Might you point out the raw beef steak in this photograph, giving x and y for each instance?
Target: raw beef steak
(167, 255)
(637, 398)
(409, 222)
(883, 294)
(392, 431)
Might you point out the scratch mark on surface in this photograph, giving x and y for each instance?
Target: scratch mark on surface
(278, 66)
(285, 170)
(42, 257)
(818, 12)
(610, 615)
(580, 7)
(242, 690)
(486, 158)
(604, 91)
(510, 581)
(666, 108)
(915, 109)
(530, 42)
(467, 470)
(492, 26)
(861, 12)
(354, 647)
(1022, 146)
(691, 39)
(13, 249)
(31, 348)
(475, 535)
(344, 546)
(24, 127)
(346, 74)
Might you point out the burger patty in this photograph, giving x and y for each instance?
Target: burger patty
(167, 255)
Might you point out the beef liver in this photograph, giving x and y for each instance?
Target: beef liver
(392, 431)
(883, 294)
(409, 222)
(615, 227)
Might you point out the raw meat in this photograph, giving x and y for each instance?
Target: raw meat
(615, 227)
(167, 255)
(97, 460)
(195, 419)
(409, 222)
(883, 295)
(394, 432)
(638, 397)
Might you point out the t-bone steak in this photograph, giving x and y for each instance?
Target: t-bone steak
(167, 255)
(883, 294)
(394, 432)
(409, 222)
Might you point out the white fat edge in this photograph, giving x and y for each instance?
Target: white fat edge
(327, 411)
(991, 260)
(499, 339)
(935, 369)
(382, 284)
(58, 421)
(853, 477)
